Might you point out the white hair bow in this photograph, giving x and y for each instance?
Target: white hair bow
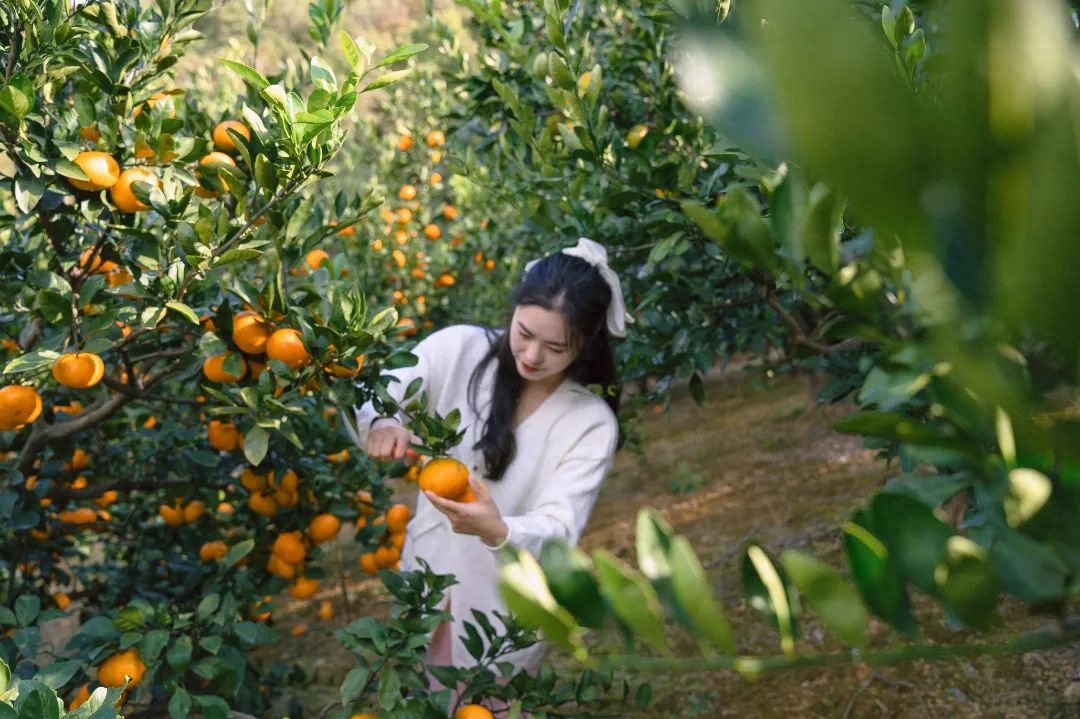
(595, 254)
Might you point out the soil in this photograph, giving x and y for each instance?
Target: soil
(751, 463)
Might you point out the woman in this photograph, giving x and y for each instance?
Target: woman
(538, 436)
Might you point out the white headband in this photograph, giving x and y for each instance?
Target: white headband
(595, 254)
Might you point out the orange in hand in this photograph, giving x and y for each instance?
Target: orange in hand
(448, 478)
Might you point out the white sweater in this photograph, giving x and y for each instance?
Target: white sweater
(565, 448)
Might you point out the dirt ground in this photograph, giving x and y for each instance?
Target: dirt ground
(749, 464)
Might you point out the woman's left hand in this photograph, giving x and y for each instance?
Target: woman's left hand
(480, 517)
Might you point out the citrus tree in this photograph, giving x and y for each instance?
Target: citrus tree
(180, 330)
(943, 209)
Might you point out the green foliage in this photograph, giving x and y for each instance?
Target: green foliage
(392, 678)
(925, 231)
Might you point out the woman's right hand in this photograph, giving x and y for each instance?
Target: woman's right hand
(389, 440)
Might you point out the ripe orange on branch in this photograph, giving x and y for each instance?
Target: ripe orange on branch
(78, 370)
(250, 332)
(115, 670)
(121, 193)
(101, 169)
(223, 141)
(19, 405)
(323, 528)
(473, 711)
(286, 346)
(214, 369)
(316, 257)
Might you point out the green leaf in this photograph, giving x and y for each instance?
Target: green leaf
(528, 597)
(1028, 569)
(5, 676)
(238, 255)
(55, 675)
(249, 74)
(632, 599)
(572, 584)
(354, 683)
(16, 102)
(693, 593)
(256, 444)
(389, 693)
(967, 583)
(385, 80)
(1006, 439)
(31, 362)
(914, 536)
(180, 704)
(836, 602)
(152, 643)
(237, 552)
(560, 72)
(183, 310)
(767, 592)
(1029, 490)
(27, 608)
(350, 50)
(178, 655)
(401, 53)
(930, 489)
(876, 576)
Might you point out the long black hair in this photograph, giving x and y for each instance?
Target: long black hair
(574, 288)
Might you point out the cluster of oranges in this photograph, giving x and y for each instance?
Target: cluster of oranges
(391, 537)
(267, 493)
(258, 341)
(180, 513)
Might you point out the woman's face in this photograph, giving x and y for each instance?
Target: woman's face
(540, 343)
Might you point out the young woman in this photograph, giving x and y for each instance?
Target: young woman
(538, 440)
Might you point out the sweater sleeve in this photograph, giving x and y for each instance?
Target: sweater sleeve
(566, 501)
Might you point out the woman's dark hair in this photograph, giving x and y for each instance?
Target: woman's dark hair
(574, 288)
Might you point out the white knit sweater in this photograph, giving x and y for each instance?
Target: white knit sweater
(565, 448)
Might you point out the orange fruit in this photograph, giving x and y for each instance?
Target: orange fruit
(214, 369)
(252, 482)
(445, 280)
(263, 504)
(79, 697)
(340, 370)
(368, 563)
(223, 436)
(121, 193)
(152, 101)
(473, 711)
(316, 257)
(173, 516)
(107, 497)
(192, 511)
(432, 232)
(404, 143)
(299, 630)
(449, 212)
(363, 715)
(406, 327)
(445, 476)
(407, 192)
(82, 515)
(435, 179)
(289, 548)
(19, 405)
(80, 460)
(222, 140)
(115, 670)
(215, 159)
(250, 332)
(397, 517)
(279, 568)
(303, 588)
(78, 370)
(365, 502)
(285, 345)
(323, 528)
(101, 169)
(435, 138)
(213, 551)
(386, 557)
(326, 610)
(259, 611)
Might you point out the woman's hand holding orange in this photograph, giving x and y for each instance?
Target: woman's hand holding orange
(479, 517)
